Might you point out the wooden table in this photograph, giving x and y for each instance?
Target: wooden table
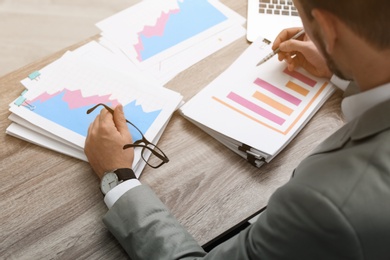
(51, 205)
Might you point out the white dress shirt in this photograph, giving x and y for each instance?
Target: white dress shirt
(115, 193)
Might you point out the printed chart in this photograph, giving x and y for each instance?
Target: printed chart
(57, 101)
(257, 110)
(276, 106)
(152, 31)
(68, 108)
(175, 26)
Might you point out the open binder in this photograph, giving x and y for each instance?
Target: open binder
(257, 111)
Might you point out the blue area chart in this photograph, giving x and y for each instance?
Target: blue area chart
(192, 18)
(59, 111)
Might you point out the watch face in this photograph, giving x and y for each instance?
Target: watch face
(109, 181)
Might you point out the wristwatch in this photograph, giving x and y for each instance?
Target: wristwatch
(113, 178)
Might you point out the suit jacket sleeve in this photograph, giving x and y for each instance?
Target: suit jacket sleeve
(295, 226)
(146, 230)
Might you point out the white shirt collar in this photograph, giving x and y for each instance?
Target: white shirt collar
(355, 105)
(340, 83)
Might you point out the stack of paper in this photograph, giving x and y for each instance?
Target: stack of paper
(256, 111)
(141, 49)
(163, 38)
(52, 110)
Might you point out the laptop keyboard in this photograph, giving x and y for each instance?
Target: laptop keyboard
(278, 7)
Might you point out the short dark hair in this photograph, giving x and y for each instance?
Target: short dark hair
(368, 18)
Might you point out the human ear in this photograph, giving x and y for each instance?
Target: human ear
(326, 27)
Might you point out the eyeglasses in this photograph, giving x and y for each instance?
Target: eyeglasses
(148, 148)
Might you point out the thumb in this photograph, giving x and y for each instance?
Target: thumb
(120, 120)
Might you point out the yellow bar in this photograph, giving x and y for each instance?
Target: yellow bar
(297, 88)
(273, 103)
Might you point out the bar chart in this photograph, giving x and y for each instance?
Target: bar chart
(279, 104)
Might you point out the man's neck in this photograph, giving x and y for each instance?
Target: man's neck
(370, 67)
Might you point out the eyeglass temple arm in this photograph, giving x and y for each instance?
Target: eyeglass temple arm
(100, 104)
(162, 156)
(111, 111)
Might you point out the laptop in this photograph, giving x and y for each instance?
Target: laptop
(267, 18)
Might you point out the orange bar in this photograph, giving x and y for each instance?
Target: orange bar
(273, 103)
(297, 88)
(307, 107)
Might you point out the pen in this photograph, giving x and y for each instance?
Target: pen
(269, 56)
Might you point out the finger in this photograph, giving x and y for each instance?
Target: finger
(94, 127)
(286, 55)
(91, 133)
(288, 59)
(282, 56)
(285, 35)
(104, 113)
(106, 118)
(120, 121)
(90, 128)
(291, 66)
(296, 62)
(293, 46)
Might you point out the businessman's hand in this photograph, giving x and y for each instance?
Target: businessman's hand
(301, 53)
(106, 137)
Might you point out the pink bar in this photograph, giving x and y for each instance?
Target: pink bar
(255, 108)
(280, 93)
(301, 77)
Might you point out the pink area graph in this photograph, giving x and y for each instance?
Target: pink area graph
(75, 99)
(155, 30)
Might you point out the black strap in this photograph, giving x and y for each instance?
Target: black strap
(125, 174)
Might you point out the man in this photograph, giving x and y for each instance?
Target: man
(337, 205)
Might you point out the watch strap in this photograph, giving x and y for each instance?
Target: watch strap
(125, 174)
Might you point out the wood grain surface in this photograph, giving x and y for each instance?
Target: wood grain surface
(51, 205)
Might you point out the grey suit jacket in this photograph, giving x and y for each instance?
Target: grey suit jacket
(337, 206)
